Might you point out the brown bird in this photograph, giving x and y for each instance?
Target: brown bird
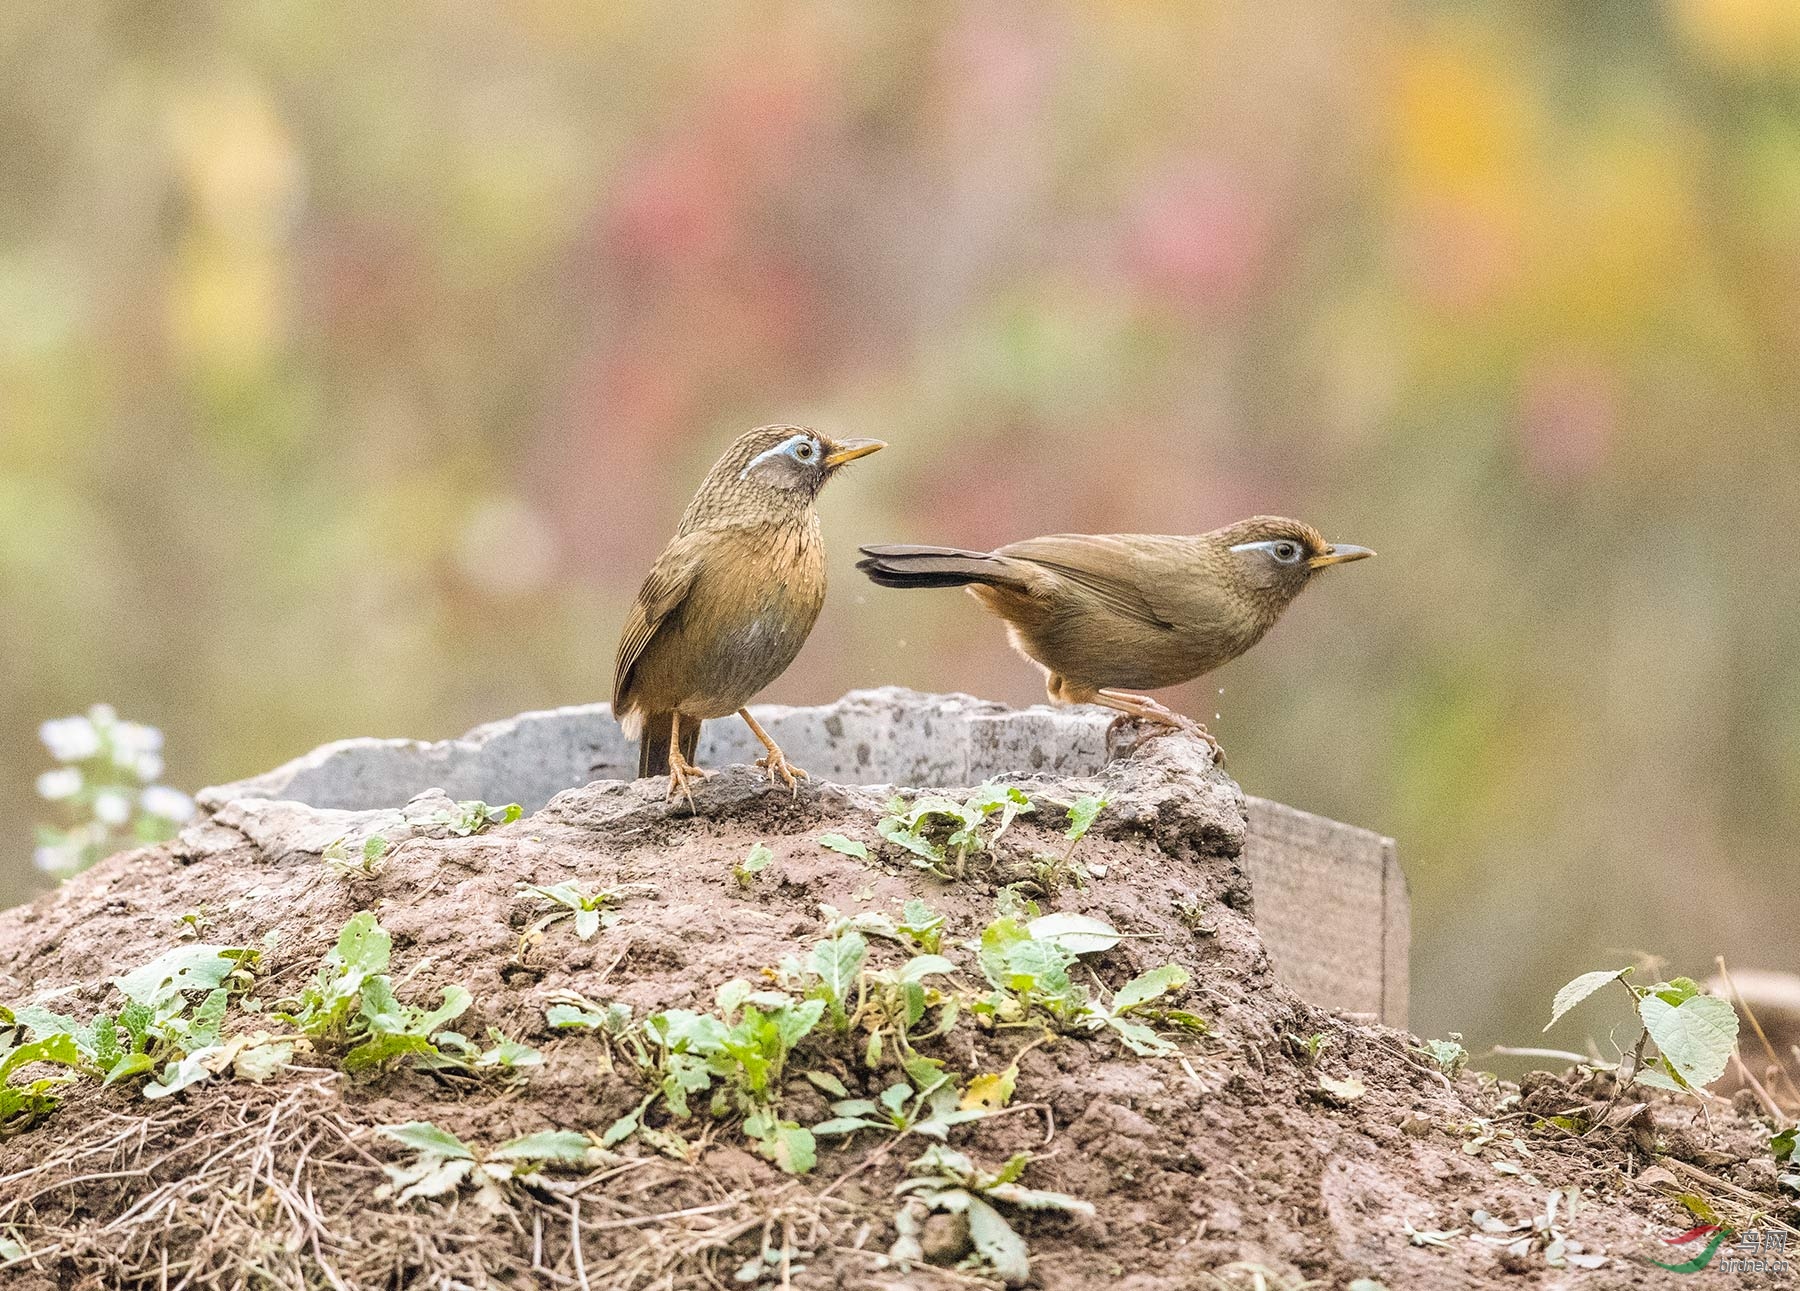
(1109, 615)
(730, 601)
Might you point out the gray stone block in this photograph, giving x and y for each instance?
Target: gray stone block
(1330, 899)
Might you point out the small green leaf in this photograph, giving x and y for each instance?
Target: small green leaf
(587, 922)
(456, 1002)
(731, 995)
(1040, 1199)
(186, 968)
(794, 1149)
(260, 1062)
(920, 967)
(177, 1076)
(827, 1083)
(848, 846)
(1677, 991)
(1783, 1144)
(1149, 986)
(1139, 1038)
(837, 962)
(132, 1064)
(423, 1136)
(561, 1016)
(545, 1145)
(1697, 1037)
(797, 1022)
(383, 1048)
(59, 1049)
(752, 865)
(995, 1241)
(1082, 814)
(1578, 990)
(1653, 1075)
(1079, 934)
(508, 1055)
(896, 830)
(364, 945)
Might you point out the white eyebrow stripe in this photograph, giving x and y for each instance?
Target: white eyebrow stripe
(782, 447)
(1267, 545)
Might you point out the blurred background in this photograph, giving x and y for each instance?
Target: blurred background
(355, 362)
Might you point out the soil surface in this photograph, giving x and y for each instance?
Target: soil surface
(1285, 1147)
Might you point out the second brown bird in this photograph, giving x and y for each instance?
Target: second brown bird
(1110, 615)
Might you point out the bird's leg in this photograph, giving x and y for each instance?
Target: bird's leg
(682, 773)
(776, 761)
(1147, 708)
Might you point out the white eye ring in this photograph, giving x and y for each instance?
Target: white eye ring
(792, 446)
(1283, 551)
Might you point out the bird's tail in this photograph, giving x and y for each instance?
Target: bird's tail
(903, 565)
(653, 748)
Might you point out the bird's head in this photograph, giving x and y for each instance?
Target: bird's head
(1272, 558)
(791, 462)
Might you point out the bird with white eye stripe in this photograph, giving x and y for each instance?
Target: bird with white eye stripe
(730, 601)
(1108, 616)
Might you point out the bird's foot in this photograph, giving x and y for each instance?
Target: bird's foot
(1188, 726)
(777, 765)
(682, 775)
(1147, 709)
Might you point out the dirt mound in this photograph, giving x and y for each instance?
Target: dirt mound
(1283, 1144)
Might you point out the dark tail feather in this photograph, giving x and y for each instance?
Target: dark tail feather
(910, 566)
(653, 749)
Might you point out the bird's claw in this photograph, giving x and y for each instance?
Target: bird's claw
(777, 765)
(1198, 730)
(681, 778)
(1171, 720)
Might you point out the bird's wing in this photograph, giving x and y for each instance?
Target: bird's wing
(665, 587)
(1104, 565)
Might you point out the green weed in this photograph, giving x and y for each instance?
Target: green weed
(444, 1164)
(1695, 1034)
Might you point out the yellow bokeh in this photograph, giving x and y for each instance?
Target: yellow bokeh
(1742, 35)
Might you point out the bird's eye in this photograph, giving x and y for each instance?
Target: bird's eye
(805, 451)
(1287, 552)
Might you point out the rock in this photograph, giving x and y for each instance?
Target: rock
(1330, 900)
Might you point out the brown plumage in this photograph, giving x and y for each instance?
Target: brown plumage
(1108, 615)
(730, 601)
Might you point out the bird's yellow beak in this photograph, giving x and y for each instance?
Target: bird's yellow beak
(1336, 554)
(848, 450)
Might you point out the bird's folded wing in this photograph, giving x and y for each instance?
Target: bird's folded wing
(667, 585)
(1105, 565)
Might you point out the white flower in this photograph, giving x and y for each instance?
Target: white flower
(64, 782)
(148, 766)
(167, 804)
(111, 807)
(70, 739)
(130, 740)
(102, 715)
